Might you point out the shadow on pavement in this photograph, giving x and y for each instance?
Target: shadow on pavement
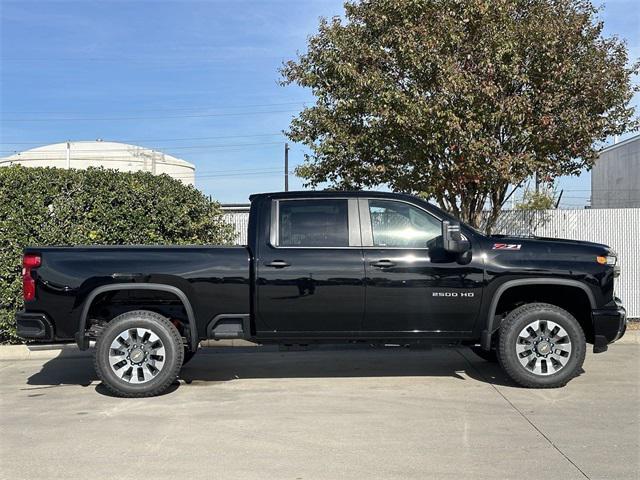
(338, 363)
(220, 365)
(68, 368)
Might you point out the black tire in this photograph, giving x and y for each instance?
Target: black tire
(489, 356)
(187, 356)
(152, 383)
(549, 376)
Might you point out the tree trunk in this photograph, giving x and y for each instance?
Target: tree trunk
(498, 198)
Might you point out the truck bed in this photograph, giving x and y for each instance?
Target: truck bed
(214, 279)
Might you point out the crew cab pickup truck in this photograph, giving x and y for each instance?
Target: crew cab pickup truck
(333, 267)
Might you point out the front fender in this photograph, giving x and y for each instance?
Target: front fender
(491, 324)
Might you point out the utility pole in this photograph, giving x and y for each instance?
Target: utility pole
(286, 167)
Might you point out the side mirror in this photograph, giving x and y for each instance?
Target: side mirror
(452, 240)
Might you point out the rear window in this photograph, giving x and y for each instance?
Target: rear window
(313, 223)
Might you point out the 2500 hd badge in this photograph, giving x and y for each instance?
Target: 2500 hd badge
(453, 294)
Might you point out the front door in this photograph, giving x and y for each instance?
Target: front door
(310, 277)
(413, 290)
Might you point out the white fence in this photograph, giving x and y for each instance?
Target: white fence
(617, 227)
(238, 217)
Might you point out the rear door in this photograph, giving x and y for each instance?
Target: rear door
(414, 290)
(310, 279)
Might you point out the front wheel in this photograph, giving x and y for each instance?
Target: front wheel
(138, 354)
(541, 346)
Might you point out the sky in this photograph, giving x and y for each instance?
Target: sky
(194, 79)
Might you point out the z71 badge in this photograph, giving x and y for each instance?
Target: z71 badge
(506, 246)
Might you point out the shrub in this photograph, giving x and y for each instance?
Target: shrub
(49, 206)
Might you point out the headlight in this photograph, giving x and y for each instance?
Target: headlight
(607, 260)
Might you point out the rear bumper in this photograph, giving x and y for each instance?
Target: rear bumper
(34, 326)
(609, 324)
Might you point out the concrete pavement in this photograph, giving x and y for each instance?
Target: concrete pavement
(327, 414)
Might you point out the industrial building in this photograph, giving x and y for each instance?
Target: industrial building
(112, 155)
(615, 178)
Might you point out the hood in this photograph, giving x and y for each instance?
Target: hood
(548, 242)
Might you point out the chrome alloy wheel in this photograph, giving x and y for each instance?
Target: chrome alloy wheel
(136, 355)
(543, 347)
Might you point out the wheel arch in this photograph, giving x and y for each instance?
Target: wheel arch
(492, 323)
(83, 341)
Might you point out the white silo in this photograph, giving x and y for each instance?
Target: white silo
(113, 155)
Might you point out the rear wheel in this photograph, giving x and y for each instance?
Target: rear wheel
(138, 354)
(541, 346)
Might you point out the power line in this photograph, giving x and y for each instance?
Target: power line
(168, 61)
(119, 158)
(196, 109)
(90, 152)
(229, 171)
(153, 139)
(157, 117)
(248, 174)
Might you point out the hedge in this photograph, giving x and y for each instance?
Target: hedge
(50, 206)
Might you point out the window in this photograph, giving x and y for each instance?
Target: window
(398, 224)
(313, 223)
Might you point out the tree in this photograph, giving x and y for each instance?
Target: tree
(459, 99)
(51, 206)
(540, 200)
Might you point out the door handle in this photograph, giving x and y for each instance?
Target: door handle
(383, 264)
(277, 264)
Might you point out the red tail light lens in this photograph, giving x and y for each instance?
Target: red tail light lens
(29, 262)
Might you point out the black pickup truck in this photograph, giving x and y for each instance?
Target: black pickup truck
(331, 267)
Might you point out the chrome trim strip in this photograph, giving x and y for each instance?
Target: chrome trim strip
(365, 222)
(354, 223)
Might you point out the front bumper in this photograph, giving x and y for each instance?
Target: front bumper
(34, 326)
(609, 324)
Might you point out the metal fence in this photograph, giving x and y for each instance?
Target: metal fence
(617, 227)
(238, 217)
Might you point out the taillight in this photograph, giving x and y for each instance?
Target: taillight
(29, 262)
